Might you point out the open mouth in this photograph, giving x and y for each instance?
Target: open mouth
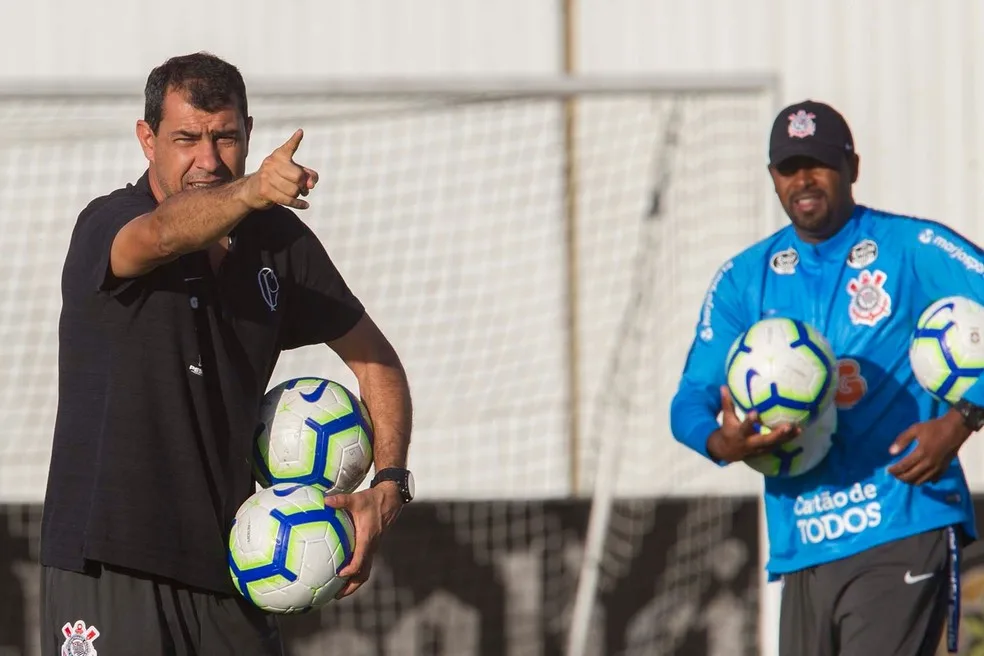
(807, 202)
(204, 184)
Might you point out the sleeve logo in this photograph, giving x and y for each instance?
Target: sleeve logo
(705, 330)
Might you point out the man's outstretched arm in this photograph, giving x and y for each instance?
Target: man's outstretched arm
(196, 218)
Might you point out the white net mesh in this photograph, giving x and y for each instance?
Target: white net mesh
(446, 214)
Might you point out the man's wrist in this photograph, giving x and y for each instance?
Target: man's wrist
(239, 192)
(390, 489)
(716, 447)
(960, 422)
(401, 476)
(391, 500)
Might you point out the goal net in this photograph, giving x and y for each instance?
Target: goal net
(538, 252)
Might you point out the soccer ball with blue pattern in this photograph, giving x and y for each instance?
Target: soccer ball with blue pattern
(784, 369)
(800, 454)
(286, 548)
(313, 431)
(947, 347)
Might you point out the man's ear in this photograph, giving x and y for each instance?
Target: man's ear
(249, 131)
(147, 139)
(774, 176)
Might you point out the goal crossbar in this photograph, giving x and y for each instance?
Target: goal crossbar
(500, 87)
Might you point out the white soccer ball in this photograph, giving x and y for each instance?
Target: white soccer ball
(947, 347)
(286, 548)
(313, 431)
(801, 454)
(784, 369)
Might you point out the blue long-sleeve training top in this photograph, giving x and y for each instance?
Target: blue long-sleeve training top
(863, 289)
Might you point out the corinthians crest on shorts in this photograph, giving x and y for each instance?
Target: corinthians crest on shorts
(79, 639)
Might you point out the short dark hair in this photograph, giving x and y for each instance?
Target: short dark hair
(210, 82)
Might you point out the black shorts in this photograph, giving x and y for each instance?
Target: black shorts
(113, 611)
(894, 599)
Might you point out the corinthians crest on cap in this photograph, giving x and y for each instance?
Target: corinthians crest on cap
(801, 124)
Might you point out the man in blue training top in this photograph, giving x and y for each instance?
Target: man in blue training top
(867, 543)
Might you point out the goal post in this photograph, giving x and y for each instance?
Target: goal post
(443, 203)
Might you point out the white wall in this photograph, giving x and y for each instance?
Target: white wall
(298, 38)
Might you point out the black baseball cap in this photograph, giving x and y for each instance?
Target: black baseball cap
(810, 129)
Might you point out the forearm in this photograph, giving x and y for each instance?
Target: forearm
(386, 393)
(694, 424)
(196, 218)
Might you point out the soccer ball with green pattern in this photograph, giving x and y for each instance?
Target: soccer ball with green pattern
(947, 347)
(313, 431)
(784, 369)
(801, 454)
(286, 548)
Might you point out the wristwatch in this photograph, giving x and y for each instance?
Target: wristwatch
(973, 415)
(402, 477)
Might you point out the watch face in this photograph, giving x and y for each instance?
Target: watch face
(410, 486)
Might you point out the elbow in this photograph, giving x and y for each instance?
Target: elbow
(382, 365)
(676, 422)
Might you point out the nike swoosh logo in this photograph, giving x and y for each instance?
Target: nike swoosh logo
(910, 579)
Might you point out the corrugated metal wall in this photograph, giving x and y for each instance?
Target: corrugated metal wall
(58, 38)
(908, 74)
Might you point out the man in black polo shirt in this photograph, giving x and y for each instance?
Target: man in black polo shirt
(179, 293)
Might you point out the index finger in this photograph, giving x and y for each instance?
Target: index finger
(909, 462)
(748, 424)
(729, 408)
(290, 146)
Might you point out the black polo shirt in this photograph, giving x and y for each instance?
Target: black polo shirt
(160, 380)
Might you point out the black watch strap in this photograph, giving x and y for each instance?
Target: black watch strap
(973, 415)
(402, 477)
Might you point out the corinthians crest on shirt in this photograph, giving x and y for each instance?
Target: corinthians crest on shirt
(870, 303)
